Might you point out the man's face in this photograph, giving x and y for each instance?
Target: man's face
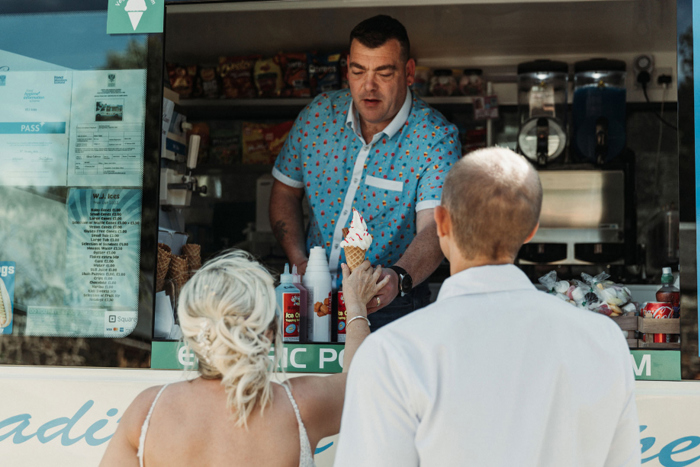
(378, 79)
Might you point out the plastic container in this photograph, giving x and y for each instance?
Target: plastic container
(542, 90)
(289, 301)
(471, 82)
(542, 101)
(443, 83)
(317, 281)
(422, 81)
(303, 303)
(599, 110)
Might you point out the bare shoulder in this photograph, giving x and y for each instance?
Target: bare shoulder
(123, 446)
(136, 413)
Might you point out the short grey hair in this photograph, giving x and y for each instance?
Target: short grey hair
(494, 198)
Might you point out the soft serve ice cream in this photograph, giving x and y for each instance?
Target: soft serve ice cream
(5, 306)
(357, 241)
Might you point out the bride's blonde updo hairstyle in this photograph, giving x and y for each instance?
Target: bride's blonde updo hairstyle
(227, 313)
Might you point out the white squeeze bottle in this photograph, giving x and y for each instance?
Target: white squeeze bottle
(304, 304)
(317, 281)
(288, 300)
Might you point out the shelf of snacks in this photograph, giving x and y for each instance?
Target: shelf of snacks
(264, 102)
(647, 324)
(302, 101)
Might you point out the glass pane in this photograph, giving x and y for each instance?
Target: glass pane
(72, 138)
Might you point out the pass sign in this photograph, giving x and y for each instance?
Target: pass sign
(135, 16)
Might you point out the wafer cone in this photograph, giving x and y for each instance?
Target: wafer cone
(354, 256)
(178, 270)
(192, 252)
(162, 266)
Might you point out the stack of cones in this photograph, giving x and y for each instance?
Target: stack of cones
(354, 256)
(164, 254)
(193, 254)
(178, 271)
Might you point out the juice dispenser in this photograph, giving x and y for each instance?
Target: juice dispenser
(599, 110)
(542, 86)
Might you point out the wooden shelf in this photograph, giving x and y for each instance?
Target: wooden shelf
(653, 346)
(659, 326)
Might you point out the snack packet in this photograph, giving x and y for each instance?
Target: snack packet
(296, 75)
(237, 76)
(559, 289)
(275, 136)
(324, 73)
(268, 78)
(255, 149)
(209, 82)
(181, 79)
(225, 147)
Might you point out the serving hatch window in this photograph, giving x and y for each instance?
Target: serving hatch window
(72, 165)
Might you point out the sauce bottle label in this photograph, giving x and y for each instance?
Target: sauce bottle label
(342, 315)
(292, 316)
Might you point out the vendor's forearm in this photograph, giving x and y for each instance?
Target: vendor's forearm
(286, 219)
(423, 255)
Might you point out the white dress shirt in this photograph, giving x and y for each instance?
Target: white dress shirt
(495, 373)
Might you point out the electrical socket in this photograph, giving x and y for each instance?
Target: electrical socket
(655, 73)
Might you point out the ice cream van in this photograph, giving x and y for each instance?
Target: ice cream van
(129, 156)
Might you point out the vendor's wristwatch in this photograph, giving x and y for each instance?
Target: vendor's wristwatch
(405, 280)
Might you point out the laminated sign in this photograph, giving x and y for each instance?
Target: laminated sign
(135, 16)
(7, 296)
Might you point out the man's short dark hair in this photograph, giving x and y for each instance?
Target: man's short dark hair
(376, 31)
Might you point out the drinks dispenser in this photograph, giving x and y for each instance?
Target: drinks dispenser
(542, 92)
(599, 110)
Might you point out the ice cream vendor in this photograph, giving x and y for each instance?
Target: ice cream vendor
(377, 148)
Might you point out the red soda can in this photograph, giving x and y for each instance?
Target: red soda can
(658, 310)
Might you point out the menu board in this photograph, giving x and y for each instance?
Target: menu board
(104, 229)
(102, 267)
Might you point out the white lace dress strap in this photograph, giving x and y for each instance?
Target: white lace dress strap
(144, 427)
(306, 458)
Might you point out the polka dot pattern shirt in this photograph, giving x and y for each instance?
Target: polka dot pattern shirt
(388, 179)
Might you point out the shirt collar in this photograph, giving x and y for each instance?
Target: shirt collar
(485, 279)
(353, 118)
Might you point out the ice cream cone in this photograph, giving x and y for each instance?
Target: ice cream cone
(163, 265)
(354, 256)
(178, 270)
(194, 259)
